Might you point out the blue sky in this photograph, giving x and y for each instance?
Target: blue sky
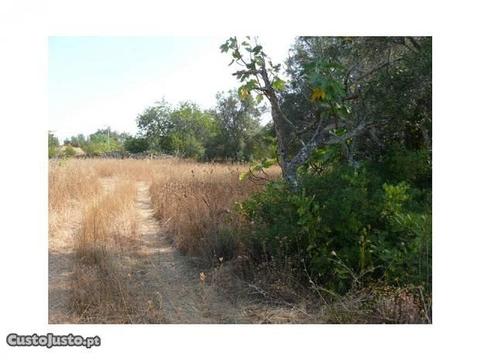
(95, 82)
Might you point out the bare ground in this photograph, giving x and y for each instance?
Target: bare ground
(60, 270)
(168, 280)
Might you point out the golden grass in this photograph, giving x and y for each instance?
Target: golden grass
(195, 203)
(69, 185)
(125, 168)
(108, 231)
(109, 223)
(96, 198)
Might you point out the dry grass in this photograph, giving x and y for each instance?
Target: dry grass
(126, 168)
(92, 214)
(195, 205)
(100, 292)
(195, 202)
(108, 224)
(70, 183)
(380, 304)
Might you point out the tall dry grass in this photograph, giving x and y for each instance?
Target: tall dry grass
(108, 225)
(140, 170)
(100, 290)
(73, 183)
(70, 184)
(92, 216)
(196, 204)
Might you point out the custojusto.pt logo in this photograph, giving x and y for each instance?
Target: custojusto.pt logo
(50, 340)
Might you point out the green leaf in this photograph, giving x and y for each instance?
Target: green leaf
(224, 47)
(278, 84)
(257, 49)
(244, 175)
(243, 92)
(338, 132)
(266, 163)
(251, 84)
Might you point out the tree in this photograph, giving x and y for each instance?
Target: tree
(386, 82)
(103, 141)
(53, 144)
(359, 111)
(238, 122)
(135, 145)
(77, 141)
(192, 130)
(69, 151)
(330, 123)
(155, 125)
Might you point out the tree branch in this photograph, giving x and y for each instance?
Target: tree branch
(322, 137)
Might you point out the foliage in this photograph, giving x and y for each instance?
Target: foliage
(229, 132)
(68, 151)
(385, 81)
(100, 143)
(135, 145)
(347, 227)
(179, 131)
(154, 124)
(77, 141)
(253, 60)
(238, 122)
(52, 145)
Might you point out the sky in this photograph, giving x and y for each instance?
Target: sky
(95, 82)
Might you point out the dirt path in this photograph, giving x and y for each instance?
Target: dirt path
(168, 280)
(60, 269)
(166, 287)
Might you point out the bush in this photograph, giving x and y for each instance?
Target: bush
(68, 151)
(52, 152)
(135, 145)
(345, 228)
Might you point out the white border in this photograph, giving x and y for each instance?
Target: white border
(24, 28)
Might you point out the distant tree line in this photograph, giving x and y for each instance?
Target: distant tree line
(230, 131)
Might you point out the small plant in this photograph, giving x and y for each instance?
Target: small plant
(68, 151)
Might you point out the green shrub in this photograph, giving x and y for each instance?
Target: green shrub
(68, 151)
(347, 226)
(135, 145)
(414, 167)
(52, 151)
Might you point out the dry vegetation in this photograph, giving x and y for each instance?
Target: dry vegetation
(93, 220)
(94, 223)
(102, 272)
(195, 202)
(69, 185)
(101, 290)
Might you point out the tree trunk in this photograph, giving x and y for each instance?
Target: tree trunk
(321, 137)
(281, 134)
